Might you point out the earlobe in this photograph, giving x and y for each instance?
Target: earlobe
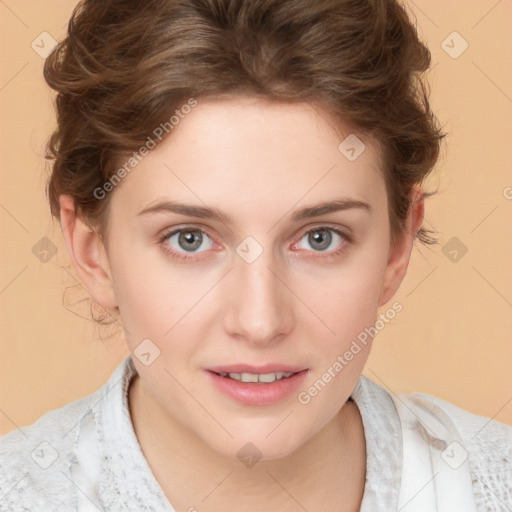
(87, 253)
(400, 255)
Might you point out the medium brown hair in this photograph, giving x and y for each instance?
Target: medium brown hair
(125, 65)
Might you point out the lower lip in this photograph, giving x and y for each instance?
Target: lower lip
(253, 393)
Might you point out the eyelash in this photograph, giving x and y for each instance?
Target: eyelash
(323, 255)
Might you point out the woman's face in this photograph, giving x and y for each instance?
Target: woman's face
(252, 275)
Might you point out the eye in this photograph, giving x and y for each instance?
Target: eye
(184, 243)
(322, 238)
(186, 240)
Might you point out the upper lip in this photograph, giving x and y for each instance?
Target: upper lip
(247, 368)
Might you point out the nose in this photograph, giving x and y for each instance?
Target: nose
(260, 307)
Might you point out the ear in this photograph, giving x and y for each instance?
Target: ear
(400, 255)
(87, 253)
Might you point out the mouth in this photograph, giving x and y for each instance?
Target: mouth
(257, 387)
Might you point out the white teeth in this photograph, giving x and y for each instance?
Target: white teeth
(249, 377)
(270, 377)
(255, 377)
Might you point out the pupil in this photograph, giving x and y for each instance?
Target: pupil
(322, 237)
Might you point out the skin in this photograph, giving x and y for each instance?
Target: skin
(258, 162)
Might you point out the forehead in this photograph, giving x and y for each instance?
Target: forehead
(244, 152)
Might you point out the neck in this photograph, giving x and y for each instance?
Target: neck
(328, 469)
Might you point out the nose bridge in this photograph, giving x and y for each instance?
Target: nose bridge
(259, 308)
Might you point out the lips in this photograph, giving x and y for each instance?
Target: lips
(257, 393)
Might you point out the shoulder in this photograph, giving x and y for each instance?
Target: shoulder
(489, 451)
(35, 460)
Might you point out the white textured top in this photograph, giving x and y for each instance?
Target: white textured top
(44, 466)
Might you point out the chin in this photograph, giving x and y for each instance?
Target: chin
(251, 449)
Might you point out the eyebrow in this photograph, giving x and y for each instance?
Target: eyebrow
(203, 212)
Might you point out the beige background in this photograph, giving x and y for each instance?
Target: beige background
(453, 338)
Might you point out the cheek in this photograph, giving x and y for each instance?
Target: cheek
(145, 295)
(348, 298)
(349, 307)
(157, 300)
